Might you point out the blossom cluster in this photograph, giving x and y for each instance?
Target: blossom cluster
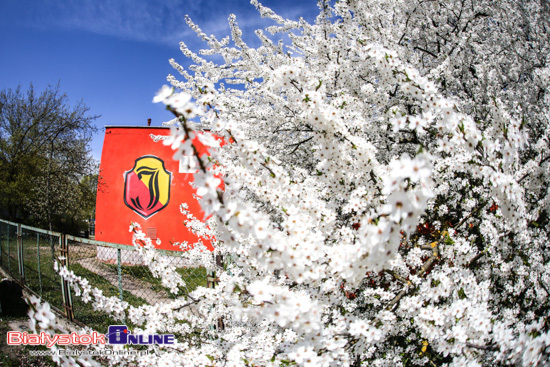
(42, 319)
(386, 191)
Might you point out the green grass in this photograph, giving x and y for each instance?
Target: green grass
(9, 248)
(193, 278)
(45, 282)
(85, 313)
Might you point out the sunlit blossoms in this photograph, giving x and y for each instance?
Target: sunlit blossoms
(386, 193)
(44, 322)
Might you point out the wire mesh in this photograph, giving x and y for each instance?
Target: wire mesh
(3, 245)
(8, 242)
(152, 289)
(119, 271)
(116, 270)
(32, 262)
(82, 260)
(48, 246)
(124, 269)
(32, 253)
(39, 249)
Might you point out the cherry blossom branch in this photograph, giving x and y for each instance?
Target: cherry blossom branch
(431, 260)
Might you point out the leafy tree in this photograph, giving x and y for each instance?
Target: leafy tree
(44, 157)
(386, 191)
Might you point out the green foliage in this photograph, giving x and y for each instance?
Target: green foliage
(46, 170)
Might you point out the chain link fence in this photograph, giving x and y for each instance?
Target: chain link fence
(28, 255)
(8, 246)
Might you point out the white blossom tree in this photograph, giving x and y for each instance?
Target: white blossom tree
(386, 190)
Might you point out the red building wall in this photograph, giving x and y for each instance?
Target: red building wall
(140, 182)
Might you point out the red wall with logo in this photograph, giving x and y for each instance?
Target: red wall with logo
(122, 147)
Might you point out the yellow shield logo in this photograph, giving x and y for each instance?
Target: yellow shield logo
(147, 186)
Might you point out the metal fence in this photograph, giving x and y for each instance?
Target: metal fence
(28, 255)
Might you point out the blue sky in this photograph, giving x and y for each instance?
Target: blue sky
(113, 54)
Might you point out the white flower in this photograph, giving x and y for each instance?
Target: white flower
(399, 206)
(178, 100)
(163, 94)
(338, 147)
(206, 185)
(261, 291)
(44, 316)
(209, 140)
(33, 300)
(261, 229)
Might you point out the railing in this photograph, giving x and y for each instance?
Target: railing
(28, 254)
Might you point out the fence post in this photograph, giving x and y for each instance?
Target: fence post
(65, 288)
(20, 253)
(38, 260)
(53, 247)
(119, 260)
(9, 252)
(1, 262)
(211, 281)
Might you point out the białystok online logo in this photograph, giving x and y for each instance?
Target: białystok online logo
(117, 334)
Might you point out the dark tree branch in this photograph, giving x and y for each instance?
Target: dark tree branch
(426, 51)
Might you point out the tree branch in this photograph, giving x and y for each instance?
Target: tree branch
(423, 270)
(297, 145)
(426, 51)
